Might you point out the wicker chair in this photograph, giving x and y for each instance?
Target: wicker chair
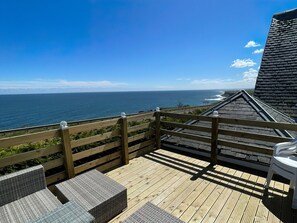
(24, 196)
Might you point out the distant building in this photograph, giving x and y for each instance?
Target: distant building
(277, 80)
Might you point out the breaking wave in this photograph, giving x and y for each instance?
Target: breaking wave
(218, 97)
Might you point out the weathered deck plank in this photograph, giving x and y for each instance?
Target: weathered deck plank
(194, 191)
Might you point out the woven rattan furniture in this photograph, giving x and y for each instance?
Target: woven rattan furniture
(70, 212)
(150, 213)
(24, 196)
(101, 196)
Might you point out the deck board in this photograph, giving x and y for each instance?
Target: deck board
(194, 191)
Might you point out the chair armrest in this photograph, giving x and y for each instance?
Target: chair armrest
(285, 148)
(22, 183)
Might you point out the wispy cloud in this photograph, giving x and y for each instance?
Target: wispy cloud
(250, 75)
(252, 44)
(258, 51)
(238, 63)
(248, 80)
(204, 84)
(58, 84)
(183, 79)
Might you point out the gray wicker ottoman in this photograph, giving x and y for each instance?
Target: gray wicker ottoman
(70, 212)
(101, 196)
(150, 213)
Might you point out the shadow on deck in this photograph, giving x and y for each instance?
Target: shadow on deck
(194, 191)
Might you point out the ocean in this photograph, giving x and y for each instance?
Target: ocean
(27, 110)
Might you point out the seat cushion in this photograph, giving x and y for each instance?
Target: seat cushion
(290, 161)
(29, 208)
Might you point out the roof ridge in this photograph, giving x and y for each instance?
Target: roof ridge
(260, 110)
(223, 103)
(279, 112)
(267, 117)
(286, 15)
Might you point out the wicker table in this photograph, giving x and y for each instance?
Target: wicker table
(101, 196)
(150, 213)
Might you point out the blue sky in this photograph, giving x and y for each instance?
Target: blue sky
(132, 45)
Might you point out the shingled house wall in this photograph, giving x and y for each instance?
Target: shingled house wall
(277, 80)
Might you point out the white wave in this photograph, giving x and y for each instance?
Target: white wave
(213, 99)
(218, 97)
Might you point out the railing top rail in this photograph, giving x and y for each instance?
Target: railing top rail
(140, 116)
(93, 125)
(260, 124)
(186, 116)
(70, 123)
(28, 138)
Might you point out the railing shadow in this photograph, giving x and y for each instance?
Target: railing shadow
(273, 201)
(270, 198)
(220, 173)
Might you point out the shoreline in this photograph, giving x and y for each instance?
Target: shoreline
(215, 98)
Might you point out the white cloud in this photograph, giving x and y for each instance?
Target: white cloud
(243, 63)
(258, 51)
(248, 80)
(252, 44)
(58, 84)
(250, 75)
(204, 84)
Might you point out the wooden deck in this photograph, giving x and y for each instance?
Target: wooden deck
(193, 191)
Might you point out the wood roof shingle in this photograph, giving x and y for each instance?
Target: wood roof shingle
(277, 80)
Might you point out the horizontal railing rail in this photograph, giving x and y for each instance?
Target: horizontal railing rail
(261, 124)
(28, 138)
(247, 135)
(186, 126)
(186, 116)
(186, 136)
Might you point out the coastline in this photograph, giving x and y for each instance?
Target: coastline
(218, 97)
(46, 110)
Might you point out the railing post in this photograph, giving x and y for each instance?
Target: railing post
(214, 138)
(68, 159)
(158, 127)
(124, 136)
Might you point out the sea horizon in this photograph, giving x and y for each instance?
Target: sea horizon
(120, 91)
(28, 110)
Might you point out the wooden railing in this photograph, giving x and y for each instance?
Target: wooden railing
(53, 150)
(213, 129)
(68, 151)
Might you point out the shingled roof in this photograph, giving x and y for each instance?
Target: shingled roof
(241, 105)
(277, 80)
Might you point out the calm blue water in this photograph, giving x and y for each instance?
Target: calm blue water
(17, 111)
